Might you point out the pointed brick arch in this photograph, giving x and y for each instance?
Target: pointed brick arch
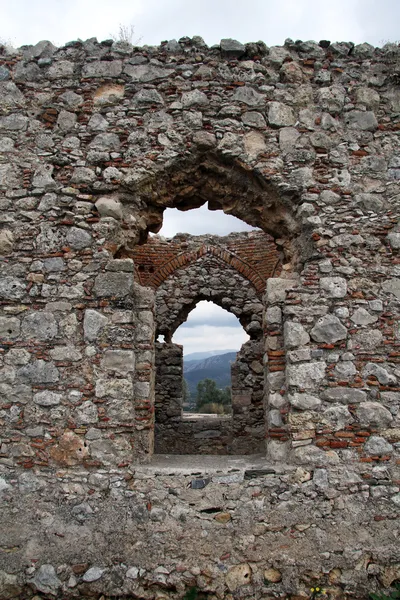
(253, 255)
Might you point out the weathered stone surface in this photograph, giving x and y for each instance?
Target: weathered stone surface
(304, 401)
(39, 325)
(345, 395)
(238, 576)
(9, 328)
(363, 317)
(93, 324)
(381, 374)
(280, 115)
(377, 446)
(47, 398)
(109, 207)
(113, 284)
(374, 415)
(364, 120)
(6, 242)
(46, 580)
(39, 371)
(328, 329)
(232, 48)
(306, 375)
(295, 335)
(11, 288)
(121, 361)
(334, 287)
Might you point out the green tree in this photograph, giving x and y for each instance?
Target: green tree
(212, 399)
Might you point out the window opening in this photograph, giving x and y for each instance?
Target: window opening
(200, 221)
(211, 338)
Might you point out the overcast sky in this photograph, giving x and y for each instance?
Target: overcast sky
(374, 21)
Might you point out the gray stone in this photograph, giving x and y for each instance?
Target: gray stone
(374, 414)
(106, 141)
(15, 122)
(321, 479)
(86, 413)
(6, 145)
(113, 284)
(146, 73)
(9, 328)
(363, 317)
(280, 115)
(382, 375)
(109, 68)
(4, 73)
(114, 388)
(11, 288)
(344, 395)
(109, 207)
(10, 586)
(83, 175)
(121, 361)
(93, 574)
(93, 323)
(345, 369)
(232, 48)
(306, 375)
(97, 122)
(370, 202)
(78, 238)
(392, 286)
(304, 401)
(332, 99)
(46, 580)
(277, 288)
(377, 446)
(328, 329)
(65, 353)
(253, 119)
(204, 139)
(47, 398)
(148, 97)
(54, 265)
(194, 98)
(337, 417)
(334, 287)
(39, 371)
(66, 120)
(42, 177)
(394, 240)
(249, 96)
(295, 335)
(364, 120)
(39, 325)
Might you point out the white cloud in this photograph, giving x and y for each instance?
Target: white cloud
(28, 21)
(199, 222)
(210, 327)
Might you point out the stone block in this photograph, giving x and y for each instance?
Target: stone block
(113, 284)
(304, 401)
(295, 335)
(232, 49)
(344, 395)
(306, 375)
(374, 414)
(334, 287)
(121, 361)
(377, 446)
(39, 325)
(109, 207)
(280, 115)
(9, 328)
(93, 323)
(328, 329)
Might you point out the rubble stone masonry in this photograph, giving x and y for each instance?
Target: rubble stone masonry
(299, 141)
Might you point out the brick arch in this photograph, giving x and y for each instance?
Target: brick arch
(186, 258)
(252, 254)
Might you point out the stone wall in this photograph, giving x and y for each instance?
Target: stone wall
(97, 140)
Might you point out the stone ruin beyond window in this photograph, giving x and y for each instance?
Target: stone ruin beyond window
(230, 271)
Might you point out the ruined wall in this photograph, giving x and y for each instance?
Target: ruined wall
(227, 271)
(97, 140)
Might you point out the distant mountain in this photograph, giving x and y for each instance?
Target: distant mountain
(217, 367)
(203, 355)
